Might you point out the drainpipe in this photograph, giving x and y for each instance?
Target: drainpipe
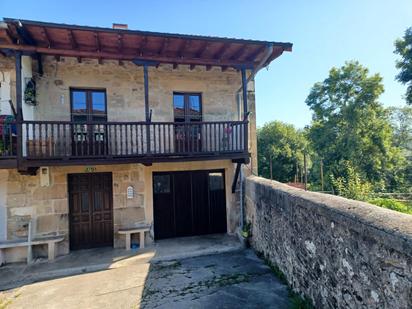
(265, 58)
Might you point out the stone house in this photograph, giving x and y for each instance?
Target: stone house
(104, 129)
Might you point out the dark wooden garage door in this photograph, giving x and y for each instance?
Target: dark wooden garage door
(189, 203)
(91, 210)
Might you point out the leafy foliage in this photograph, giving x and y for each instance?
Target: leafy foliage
(351, 185)
(350, 124)
(403, 47)
(392, 204)
(284, 145)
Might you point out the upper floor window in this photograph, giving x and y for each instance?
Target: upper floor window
(187, 107)
(88, 105)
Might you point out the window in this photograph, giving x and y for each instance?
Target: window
(161, 183)
(88, 105)
(187, 107)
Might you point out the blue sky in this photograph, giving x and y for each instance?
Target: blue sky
(324, 34)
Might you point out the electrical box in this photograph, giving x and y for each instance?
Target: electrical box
(44, 177)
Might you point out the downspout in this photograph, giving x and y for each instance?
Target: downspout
(261, 64)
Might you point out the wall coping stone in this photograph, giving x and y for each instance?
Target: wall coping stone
(393, 228)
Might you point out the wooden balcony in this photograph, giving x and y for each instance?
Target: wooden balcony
(68, 143)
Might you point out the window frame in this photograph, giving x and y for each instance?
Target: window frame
(89, 107)
(186, 95)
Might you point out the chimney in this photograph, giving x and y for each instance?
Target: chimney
(120, 26)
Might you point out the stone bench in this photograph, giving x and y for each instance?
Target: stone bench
(129, 231)
(49, 241)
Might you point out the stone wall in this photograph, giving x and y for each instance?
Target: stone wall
(48, 207)
(340, 253)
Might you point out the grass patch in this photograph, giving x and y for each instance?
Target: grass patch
(405, 207)
(296, 300)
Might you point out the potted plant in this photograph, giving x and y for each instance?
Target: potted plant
(246, 234)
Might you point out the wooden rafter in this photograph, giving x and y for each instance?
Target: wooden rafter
(72, 39)
(46, 37)
(163, 47)
(202, 49)
(119, 42)
(238, 53)
(186, 44)
(221, 51)
(142, 46)
(124, 56)
(256, 53)
(97, 42)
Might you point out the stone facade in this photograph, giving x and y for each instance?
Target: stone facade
(340, 253)
(23, 199)
(48, 207)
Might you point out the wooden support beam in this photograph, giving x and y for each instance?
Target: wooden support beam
(146, 92)
(237, 171)
(19, 105)
(39, 64)
(46, 37)
(244, 92)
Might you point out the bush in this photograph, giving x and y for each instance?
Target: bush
(351, 185)
(392, 204)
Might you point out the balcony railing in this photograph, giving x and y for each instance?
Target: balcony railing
(8, 140)
(73, 140)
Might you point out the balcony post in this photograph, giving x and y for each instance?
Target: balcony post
(245, 108)
(146, 92)
(19, 103)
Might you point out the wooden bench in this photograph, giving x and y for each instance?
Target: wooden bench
(49, 241)
(129, 231)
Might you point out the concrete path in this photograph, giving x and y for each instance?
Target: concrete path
(228, 280)
(92, 260)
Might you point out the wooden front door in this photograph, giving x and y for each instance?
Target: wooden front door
(91, 210)
(187, 111)
(189, 203)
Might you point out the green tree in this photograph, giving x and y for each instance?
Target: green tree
(401, 121)
(403, 47)
(282, 144)
(350, 125)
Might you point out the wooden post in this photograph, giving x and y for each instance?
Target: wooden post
(19, 103)
(146, 105)
(146, 92)
(245, 108)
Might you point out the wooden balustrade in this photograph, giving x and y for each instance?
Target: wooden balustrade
(65, 139)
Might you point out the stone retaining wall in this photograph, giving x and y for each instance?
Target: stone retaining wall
(338, 252)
